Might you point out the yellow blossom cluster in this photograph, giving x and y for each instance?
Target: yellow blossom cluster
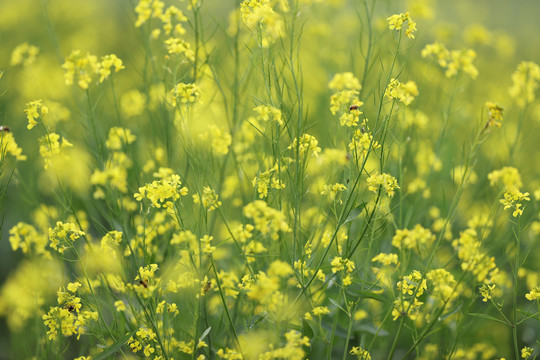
(525, 82)
(163, 192)
(510, 179)
(405, 92)
(258, 15)
(396, 22)
(81, 67)
(267, 221)
(386, 181)
(452, 60)
(416, 238)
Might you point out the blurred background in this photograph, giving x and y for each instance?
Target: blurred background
(503, 33)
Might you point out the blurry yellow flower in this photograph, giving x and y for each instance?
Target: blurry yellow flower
(452, 61)
(107, 62)
(179, 46)
(306, 146)
(269, 113)
(9, 146)
(118, 137)
(185, 94)
(267, 221)
(258, 14)
(24, 54)
(495, 115)
(344, 81)
(80, 67)
(132, 103)
(386, 259)
(415, 238)
(49, 146)
(525, 82)
(332, 191)
(220, 140)
(321, 310)
(208, 198)
(534, 294)
(405, 92)
(362, 142)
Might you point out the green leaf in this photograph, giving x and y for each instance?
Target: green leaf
(114, 347)
(353, 214)
(338, 306)
(205, 333)
(307, 330)
(455, 310)
(488, 317)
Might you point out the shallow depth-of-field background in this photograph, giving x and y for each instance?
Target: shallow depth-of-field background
(247, 179)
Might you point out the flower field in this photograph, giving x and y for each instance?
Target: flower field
(269, 179)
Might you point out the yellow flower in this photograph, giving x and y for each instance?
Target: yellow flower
(49, 146)
(33, 110)
(185, 94)
(360, 353)
(80, 67)
(396, 22)
(9, 146)
(387, 181)
(306, 145)
(24, 54)
(208, 198)
(452, 61)
(526, 352)
(120, 306)
(344, 81)
(107, 62)
(405, 92)
(321, 310)
(534, 294)
(386, 259)
(525, 82)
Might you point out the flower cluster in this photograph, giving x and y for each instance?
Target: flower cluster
(258, 14)
(396, 22)
(184, 94)
(362, 142)
(452, 60)
(267, 221)
(63, 235)
(495, 115)
(119, 137)
(68, 319)
(82, 67)
(473, 259)
(413, 239)
(50, 146)
(405, 92)
(269, 113)
(511, 181)
(163, 192)
(24, 54)
(34, 110)
(525, 82)
(267, 180)
(307, 145)
(386, 181)
(208, 198)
